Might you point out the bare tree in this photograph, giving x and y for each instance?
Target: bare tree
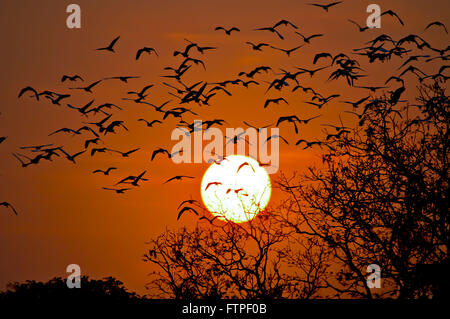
(381, 197)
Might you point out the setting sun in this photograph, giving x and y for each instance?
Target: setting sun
(236, 189)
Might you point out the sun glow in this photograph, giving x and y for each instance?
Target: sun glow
(236, 189)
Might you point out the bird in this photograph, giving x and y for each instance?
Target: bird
(35, 147)
(371, 88)
(122, 78)
(105, 172)
(308, 39)
(138, 178)
(29, 89)
(87, 88)
(392, 14)
(228, 32)
(149, 124)
(276, 101)
(71, 78)
(142, 91)
(361, 29)
(117, 190)
(160, 151)
(8, 205)
(178, 177)
(357, 103)
(212, 184)
(285, 23)
(257, 47)
(184, 209)
(125, 154)
(145, 50)
(2, 139)
(91, 141)
(325, 6)
(71, 157)
(437, 23)
(83, 110)
(189, 201)
(287, 51)
(271, 29)
(321, 55)
(275, 136)
(245, 164)
(110, 47)
(65, 130)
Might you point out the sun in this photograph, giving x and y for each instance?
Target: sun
(236, 189)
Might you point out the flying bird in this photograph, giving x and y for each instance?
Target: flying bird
(212, 184)
(257, 47)
(149, 124)
(361, 29)
(184, 209)
(87, 88)
(117, 190)
(287, 51)
(437, 23)
(325, 6)
(105, 172)
(110, 47)
(308, 39)
(276, 136)
(228, 32)
(392, 14)
(276, 101)
(8, 205)
(178, 177)
(145, 50)
(71, 78)
(29, 89)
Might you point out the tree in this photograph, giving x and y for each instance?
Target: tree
(55, 291)
(382, 197)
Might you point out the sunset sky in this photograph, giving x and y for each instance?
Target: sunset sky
(64, 216)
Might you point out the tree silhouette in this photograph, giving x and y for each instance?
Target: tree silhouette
(227, 260)
(107, 290)
(380, 197)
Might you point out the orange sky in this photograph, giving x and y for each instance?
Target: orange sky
(64, 215)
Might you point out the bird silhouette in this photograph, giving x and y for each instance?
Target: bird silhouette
(361, 29)
(308, 39)
(178, 177)
(276, 101)
(212, 184)
(244, 165)
(105, 172)
(185, 209)
(325, 6)
(275, 136)
(436, 23)
(257, 47)
(287, 51)
(87, 88)
(71, 78)
(117, 190)
(160, 151)
(29, 89)
(145, 50)
(8, 205)
(149, 124)
(227, 31)
(110, 47)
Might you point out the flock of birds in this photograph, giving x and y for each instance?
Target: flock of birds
(344, 66)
